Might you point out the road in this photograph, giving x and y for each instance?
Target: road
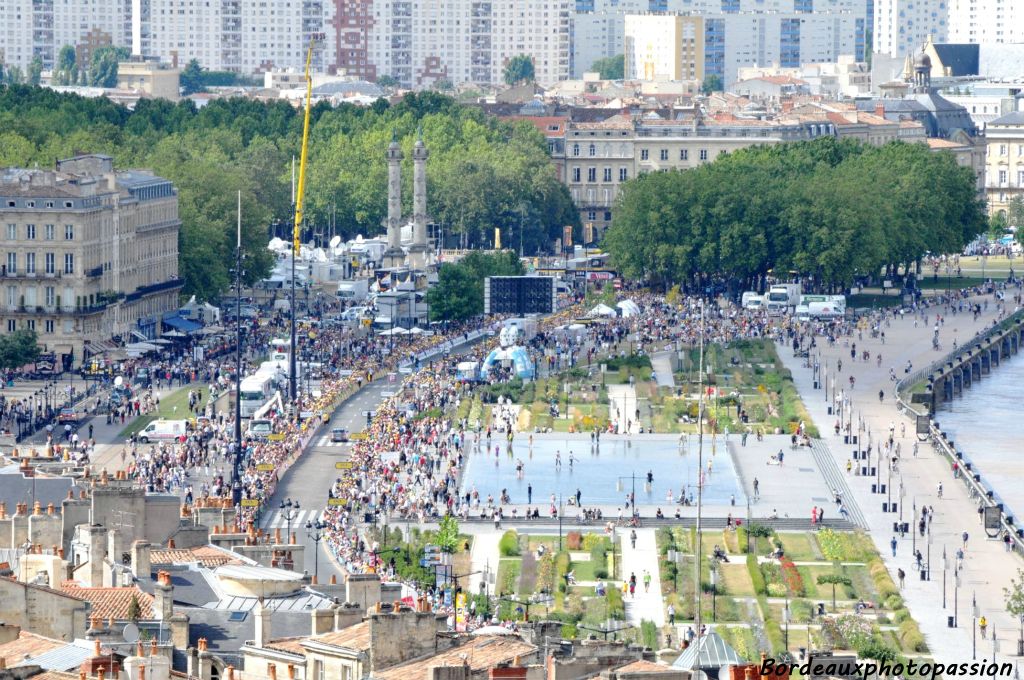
(309, 479)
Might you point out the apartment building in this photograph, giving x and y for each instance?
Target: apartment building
(986, 21)
(39, 28)
(419, 43)
(1004, 160)
(720, 41)
(89, 253)
(902, 26)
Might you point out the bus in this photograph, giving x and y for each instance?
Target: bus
(255, 391)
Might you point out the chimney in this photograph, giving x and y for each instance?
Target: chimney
(142, 672)
(880, 109)
(263, 624)
(272, 671)
(507, 673)
(141, 564)
(163, 597)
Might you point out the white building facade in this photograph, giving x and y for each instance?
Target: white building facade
(903, 26)
(986, 21)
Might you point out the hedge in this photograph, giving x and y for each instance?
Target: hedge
(756, 577)
(508, 546)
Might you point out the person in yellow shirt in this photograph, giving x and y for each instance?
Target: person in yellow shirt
(983, 625)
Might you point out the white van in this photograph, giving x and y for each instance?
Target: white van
(751, 300)
(162, 430)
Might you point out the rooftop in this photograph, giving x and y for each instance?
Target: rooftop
(111, 602)
(481, 653)
(354, 637)
(27, 646)
(205, 556)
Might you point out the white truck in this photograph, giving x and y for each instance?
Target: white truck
(751, 300)
(163, 430)
(354, 290)
(821, 307)
(782, 298)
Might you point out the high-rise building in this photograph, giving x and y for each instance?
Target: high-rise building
(902, 26)
(986, 21)
(88, 253)
(707, 40)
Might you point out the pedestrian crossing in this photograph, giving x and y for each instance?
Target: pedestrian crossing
(325, 440)
(277, 519)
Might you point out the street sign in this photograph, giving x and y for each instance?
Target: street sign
(276, 437)
(344, 465)
(993, 520)
(265, 467)
(358, 436)
(250, 503)
(337, 502)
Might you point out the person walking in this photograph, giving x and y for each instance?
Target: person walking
(900, 574)
(647, 581)
(964, 536)
(671, 615)
(632, 538)
(893, 543)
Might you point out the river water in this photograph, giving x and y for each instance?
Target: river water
(985, 424)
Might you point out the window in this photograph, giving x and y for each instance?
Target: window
(1002, 149)
(69, 263)
(607, 215)
(12, 325)
(592, 151)
(575, 149)
(49, 263)
(50, 296)
(30, 324)
(643, 154)
(663, 155)
(48, 232)
(1002, 177)
(1020, 178)
(607, 174)
(703, 154)
(30, 232)
(49, 325)
(69, 232)
(12, 297)
(684, 154)
(591, 215)
(12, 232)
(591, 174)
(12, 263)
(30, 263)
(68, 326)
(575, 174)
(623, 174)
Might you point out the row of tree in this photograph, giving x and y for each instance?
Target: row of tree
(830, 210)
(482, 173)
(18, 349)
(459, 293)
(101, 71)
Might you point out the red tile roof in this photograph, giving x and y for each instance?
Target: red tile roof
(551, 126)
(27, 645)
(642, 666)
(112, 602)
(205, 555)
(354, 637)
(480, 652)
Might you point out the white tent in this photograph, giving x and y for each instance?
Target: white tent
(398, 330)
(628, 308)
(602, 310)
(416, 330)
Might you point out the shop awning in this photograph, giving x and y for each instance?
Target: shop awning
(179, 324)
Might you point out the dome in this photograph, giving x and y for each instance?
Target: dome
(923, 61)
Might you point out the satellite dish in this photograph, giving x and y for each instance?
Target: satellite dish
(335, 241)
(118, 381)
(130, 632)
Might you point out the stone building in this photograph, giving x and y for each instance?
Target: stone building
(89, 253)
(1004, 161)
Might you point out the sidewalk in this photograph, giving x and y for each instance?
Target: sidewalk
(622, 399)
(987, 568)
(661, 362)
(644, 605)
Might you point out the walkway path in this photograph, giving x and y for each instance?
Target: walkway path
(661, 362)
(622, 401)
(988, 568)
(644, 605)
(484, 558)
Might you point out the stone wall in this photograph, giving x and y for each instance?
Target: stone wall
(42, 610)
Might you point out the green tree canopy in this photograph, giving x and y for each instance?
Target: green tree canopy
(18, 348)
(103, 65)
(800, 207)
(459, 293)
(65, 71)
(387, 81)
(519, 69)
(712, 83)
(611, 68)
(191, 78)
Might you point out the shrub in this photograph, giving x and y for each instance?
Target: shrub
(761, 531)
(901, 615)
(756, 577)
(879, 651)
(508, 546)
(562, 564)
(574, 540)
(741, 538)
(831, 545)
(776, 590)
(616, 606)
(911, 637)
(649, 634)
(590, 540)
(792, 577)
(893, 602)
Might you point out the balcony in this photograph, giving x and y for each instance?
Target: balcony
(94, 272)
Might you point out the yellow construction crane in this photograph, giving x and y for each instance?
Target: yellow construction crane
(314, 40)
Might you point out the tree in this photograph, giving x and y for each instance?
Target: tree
(13, 76)
(444, 85)
(712, 83)
(1015, 213)
(387, 81)
(191, 78)
(447, 537)
(997, 224)
(35, 71)
(833, 580)
(18, 348)
(1014, 595)
(519, 69)
(65, 71)
(459, 293)
(103, 65)
(611, 68)
(134, 610)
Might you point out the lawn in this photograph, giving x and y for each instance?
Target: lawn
(798, 547)
(736, 579)
(172, 406)
(507, 581)
(584, 570)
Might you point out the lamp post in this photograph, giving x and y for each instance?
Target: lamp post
(631, 477)
(290, 510)
(539, 599)
(974, 625)
(236, 471)
(945, 566)
(315, 530)
(714, 594)
(608, 627)
(785, 619)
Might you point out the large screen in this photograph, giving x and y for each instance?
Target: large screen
(519, 295)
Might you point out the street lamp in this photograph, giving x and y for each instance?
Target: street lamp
(290, 510)
(608, 627)
(714, 593)
(632, 496)
(945, 566)
(539, 599)
(785, 619)
(316, 531)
